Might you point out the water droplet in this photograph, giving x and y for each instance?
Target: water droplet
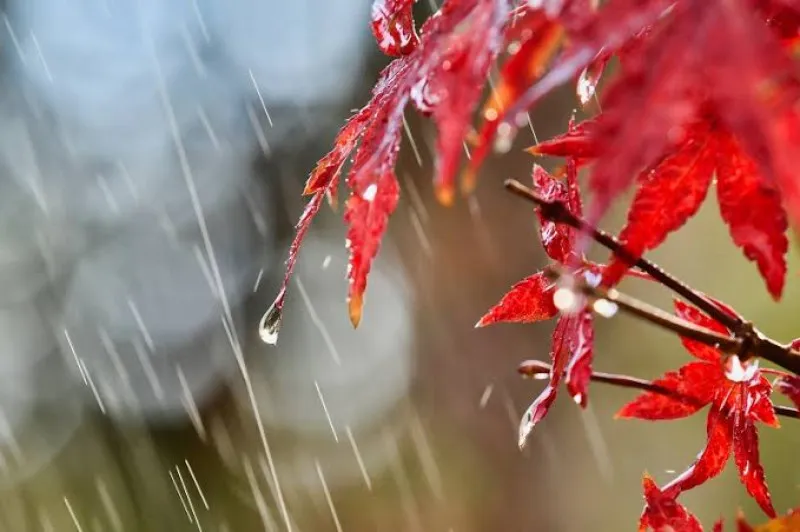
(326, 262)
(503, 139)
(736, 371)
(578, 398)
(592, 278)
(605, 308)
(371, 192)
(525, 428)
(270, 324)
(565, 299)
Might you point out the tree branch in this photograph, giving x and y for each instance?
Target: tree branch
(756, 345)
(750, 341)
(654, 315)
(537, 369)
(558, 212)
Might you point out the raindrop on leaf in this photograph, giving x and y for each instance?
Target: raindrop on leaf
(270, 324)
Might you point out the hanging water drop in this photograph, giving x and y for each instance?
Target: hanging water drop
(270, 324)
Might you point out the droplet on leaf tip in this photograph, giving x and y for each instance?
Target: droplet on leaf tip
(578, 398)
(585, 88)
(270, 324)
(370, 193)
(525, 428)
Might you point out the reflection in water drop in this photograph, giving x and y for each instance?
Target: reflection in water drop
(270, 324)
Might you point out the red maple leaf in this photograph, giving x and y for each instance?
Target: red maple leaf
(662, 513)
(673, 191)
(532, 38)
(443, 75)
(728, 59)
(739, 396)
(393, 26)
(751, 131)
(531, 300)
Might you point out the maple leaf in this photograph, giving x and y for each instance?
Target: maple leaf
(531, 300)
(532, 38)
(738, 395)
(591, 33)
(442, 72)
(662, 513)
(671, 192)
(755, 123)
(580, 142)
(789, 522)
(393, 26)
(667, 78)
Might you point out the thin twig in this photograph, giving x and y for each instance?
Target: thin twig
(752, 342)
(653, 314)
(757, 345)
(538, 369)
(559, 213)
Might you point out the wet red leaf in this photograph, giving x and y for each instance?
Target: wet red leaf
(579, 367)
(538, 39)
(561, 349)
(590, 77)
(666, 197)
(752, 208)
(528, 301)
(672, 191)
(393, 26)
(662, 513)
(579, 141)
(739, 396)
(443, 74)
(532, 299)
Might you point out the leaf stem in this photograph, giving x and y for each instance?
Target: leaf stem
(755, 345)
(538, 369)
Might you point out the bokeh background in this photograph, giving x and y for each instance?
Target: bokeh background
(152, 156)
